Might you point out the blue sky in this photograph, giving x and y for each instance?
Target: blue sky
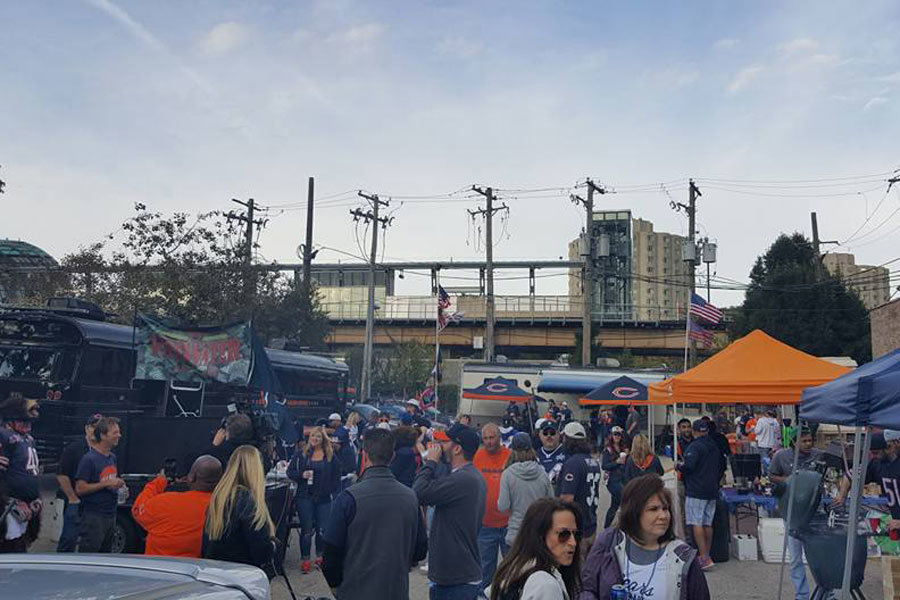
(184, 105)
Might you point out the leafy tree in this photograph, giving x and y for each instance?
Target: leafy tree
(400, 370)
(189, 267)
(792, 298)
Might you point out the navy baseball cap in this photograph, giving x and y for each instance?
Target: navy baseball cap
(701, 425)
(460, 434)
(521, 441)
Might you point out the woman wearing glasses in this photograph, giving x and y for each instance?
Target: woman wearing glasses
(615, 454)
(641, 552)
(544, 562)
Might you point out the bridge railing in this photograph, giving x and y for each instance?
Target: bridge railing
(506, 308)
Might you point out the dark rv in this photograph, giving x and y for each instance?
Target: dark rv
(80, 366)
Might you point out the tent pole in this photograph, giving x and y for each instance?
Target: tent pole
(677, 499)
(860, 455)
(787, 521)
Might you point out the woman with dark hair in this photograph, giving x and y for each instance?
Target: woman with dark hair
(615, 454)
(641, 551)
(544, 562)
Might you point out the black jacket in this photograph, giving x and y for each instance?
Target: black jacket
(702, 468)
(241, 542)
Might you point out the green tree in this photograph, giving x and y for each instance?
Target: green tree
(792, 298)
(189, 267)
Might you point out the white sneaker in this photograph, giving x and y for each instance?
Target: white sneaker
(424, 567)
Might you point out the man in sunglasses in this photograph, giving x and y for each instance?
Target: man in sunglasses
(551, 453)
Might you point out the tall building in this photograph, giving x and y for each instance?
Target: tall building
(639, 274)
(872, 284)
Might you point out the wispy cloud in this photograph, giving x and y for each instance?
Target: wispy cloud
(361, 35)
(726, 43)
(144, 35)
(876, 101)
(798, 45)
(892, 78)
(224, 38)
(744, 77)
(460, 47)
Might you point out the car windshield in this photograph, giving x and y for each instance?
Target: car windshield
(35, 364)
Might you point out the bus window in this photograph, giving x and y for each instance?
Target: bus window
(30, 364)
(106, 367)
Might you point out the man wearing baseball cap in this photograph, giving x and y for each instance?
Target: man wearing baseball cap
(579, 479)
(415, 409)
(454, 565)
(701, 468)
(550, 451)
(886, 473)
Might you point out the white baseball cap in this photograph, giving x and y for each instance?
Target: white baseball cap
(891, 435)
(334, 417)
(539, 422)
(414, 402)
(574, 430)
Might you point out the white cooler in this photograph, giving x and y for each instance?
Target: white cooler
(743, 547)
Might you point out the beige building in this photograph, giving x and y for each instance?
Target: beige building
(872, 284)
(885, 324)
(639, 272)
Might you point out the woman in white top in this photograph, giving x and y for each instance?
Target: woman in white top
(544, 562)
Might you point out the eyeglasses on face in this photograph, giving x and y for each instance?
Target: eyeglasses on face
(564, 535)
(549, 431)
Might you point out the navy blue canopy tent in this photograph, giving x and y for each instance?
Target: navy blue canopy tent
(622, 390)
(498, 388)
(868, 395)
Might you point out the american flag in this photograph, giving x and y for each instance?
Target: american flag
(704, 310)
(700, 333)
(443, 299)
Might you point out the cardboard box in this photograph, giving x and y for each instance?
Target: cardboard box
(743, 547)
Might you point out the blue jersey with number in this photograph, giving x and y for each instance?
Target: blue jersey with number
(886, 473)
(580, 476)
(22, 474)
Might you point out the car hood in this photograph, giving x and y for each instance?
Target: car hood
(112, 575)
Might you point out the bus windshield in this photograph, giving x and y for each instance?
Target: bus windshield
(35, 364)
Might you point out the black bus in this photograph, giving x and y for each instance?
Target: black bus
(80, 366)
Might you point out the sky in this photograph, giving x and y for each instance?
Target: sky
(776, 109)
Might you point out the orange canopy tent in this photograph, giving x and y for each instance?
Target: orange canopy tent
(756, 369)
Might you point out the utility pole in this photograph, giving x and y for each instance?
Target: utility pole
(370, 216)
(247, 218)
(308, 246)
(693, 194)
(587, 294)
(488, 213)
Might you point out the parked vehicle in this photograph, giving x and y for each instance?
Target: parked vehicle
(68, 575)
(80, 366)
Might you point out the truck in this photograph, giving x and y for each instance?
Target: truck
(77, 364)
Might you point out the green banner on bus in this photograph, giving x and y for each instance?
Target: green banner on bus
(193, 354)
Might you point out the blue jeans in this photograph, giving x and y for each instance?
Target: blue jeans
(464, 591)
(313, 517)
(615, 488)
(490, 540)
(798, 571)
(68, 538)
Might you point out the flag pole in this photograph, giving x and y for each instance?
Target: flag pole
(437, 336)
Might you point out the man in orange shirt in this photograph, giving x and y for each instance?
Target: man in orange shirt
(174, 520)
(490, 460)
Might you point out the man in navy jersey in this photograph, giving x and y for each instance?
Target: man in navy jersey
(579, 480)
(886, 473)
(550, 452)
(20, 497)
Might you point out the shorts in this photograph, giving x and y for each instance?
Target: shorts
(699, 512)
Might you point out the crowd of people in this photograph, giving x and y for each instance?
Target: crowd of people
(507, 510)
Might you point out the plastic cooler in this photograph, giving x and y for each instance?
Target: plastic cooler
(744, 547)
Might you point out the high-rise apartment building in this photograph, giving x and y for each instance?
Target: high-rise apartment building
(872, 284)
(639, 274)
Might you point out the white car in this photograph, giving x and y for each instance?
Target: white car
(113, 576)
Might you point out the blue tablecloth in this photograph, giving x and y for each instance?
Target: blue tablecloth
(734, 499)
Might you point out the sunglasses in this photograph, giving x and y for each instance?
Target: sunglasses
(548, 431)
(384, 420)
(564, 535)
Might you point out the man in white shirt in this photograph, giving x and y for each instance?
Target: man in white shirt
(767, 431)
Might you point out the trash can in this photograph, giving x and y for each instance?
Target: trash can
(720, 549)
(826, 548)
